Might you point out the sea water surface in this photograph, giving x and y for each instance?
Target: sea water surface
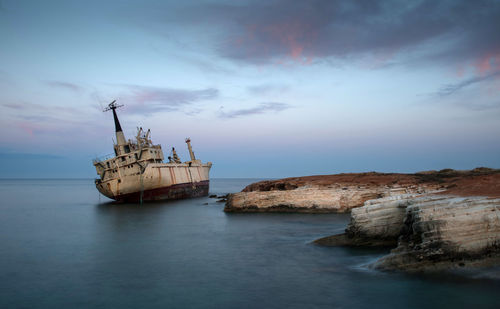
(63, 246)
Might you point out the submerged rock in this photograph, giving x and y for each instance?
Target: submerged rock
(346, 240)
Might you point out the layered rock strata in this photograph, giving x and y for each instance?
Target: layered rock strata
(447, 232)
(377, 223)
(336, 199)
(434, 220)
(431, 232)
(343, 192)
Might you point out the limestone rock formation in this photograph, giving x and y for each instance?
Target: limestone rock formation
(431, 232)
(337, 199)
(343, 192)
(447, 232)
(377, 223)
(434, 220)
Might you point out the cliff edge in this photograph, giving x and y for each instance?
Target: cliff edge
(457, 227)
(342, 192)
(434, 220)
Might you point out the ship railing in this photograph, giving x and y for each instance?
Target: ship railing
(103, 158)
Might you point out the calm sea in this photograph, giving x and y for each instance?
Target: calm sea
(61, 246)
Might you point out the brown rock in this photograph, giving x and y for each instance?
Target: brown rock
(340, 193)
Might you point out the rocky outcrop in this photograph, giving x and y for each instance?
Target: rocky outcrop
(430, 232)
(434, 220)
(317, 199)
(378, 223)
(343, 192)
(447, 232)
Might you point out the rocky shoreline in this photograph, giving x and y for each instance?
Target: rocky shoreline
(343, 192)
(433, 220)
(430, 232)
(320, 195)
(447, 232)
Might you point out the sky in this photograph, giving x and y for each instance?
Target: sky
(264, 89)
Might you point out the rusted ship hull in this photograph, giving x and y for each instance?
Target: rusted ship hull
(160, 181)
(174, 192)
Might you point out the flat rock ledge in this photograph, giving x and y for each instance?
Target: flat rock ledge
(342, 192)
(429, 232)
(314, 199)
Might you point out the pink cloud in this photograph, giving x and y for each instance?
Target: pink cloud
(28, 127)
(294, 39)
(460, 72)
(488, 63)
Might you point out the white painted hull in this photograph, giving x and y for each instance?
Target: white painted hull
(159, 181)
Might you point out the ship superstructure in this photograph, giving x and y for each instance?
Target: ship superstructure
(136, 171)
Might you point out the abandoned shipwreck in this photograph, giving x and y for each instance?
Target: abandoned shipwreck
(136, 171)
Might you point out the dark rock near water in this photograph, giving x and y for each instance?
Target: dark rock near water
(344, 240)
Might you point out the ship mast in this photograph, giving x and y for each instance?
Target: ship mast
(191, 153)
(120, 137)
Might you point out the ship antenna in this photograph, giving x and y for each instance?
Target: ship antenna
(120, 138)
(112, 106)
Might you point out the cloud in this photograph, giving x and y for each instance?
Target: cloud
(276, 31)
(260, 109)
(64, 85)
(147, 100)
(478, 93)
(27, 109)
(267, 89)
(35, 120)
(47, 115)
(480, 106)
(453, 88)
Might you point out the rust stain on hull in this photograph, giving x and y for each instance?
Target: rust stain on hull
(172, 175)
(178, 191)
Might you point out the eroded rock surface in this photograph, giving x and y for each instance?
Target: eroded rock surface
(434, 220)
(337, 199)
(430, 232)
(377, 223)
(447, 232)
(342, 192)
(302, 199)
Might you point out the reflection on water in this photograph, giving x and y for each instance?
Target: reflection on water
(61, 247)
